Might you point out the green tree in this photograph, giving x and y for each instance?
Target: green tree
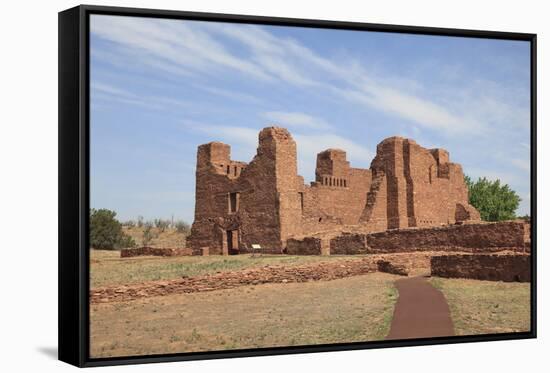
(493, 200)
(106, 231)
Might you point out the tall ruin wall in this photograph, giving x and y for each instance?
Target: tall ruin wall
(415, 187)
(239, 204)
(266, 202)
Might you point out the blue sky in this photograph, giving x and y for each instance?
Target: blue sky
(160, 88)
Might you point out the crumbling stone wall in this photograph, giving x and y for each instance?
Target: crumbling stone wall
(420, 188)
(349, 244)
(491, 267)
(154, 251)
(266, 202)
(484, 237)
(305, 246)
(265, 196)
(338, 194)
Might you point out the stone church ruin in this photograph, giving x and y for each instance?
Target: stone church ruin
(266, 202)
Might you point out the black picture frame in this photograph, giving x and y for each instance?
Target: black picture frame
(74, 173)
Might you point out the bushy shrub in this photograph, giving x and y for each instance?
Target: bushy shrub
(148, 235)
(106, 231)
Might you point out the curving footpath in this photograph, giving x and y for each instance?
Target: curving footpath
(421, 311)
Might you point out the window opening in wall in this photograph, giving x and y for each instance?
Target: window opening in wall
(228, 169)
(233, 202)
(301, 200)
(235, 170)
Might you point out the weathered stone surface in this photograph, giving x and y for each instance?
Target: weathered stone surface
(484, 237)
(266, 202)
(305, 246)
(389, 267)
(349, 244)
(154, 251)
(492, 267)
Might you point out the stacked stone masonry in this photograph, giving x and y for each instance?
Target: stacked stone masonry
(481, 238)
(154, 251)
(491, 267)
(266, 202)
(473, 238)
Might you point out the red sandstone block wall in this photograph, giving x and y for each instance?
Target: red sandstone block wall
(491, 267)
(349, 244)
(153, 251)
(306, 246)
(488, 237)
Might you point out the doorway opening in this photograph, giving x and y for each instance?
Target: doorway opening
(233, 242)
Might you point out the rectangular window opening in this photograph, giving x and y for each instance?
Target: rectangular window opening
(233, 202)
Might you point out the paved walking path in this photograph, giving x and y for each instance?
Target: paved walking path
(421, 311)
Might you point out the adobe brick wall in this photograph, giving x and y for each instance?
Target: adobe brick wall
(305, 246)
(349, 244)
(154, 251)
(483, 237)
(491, 267)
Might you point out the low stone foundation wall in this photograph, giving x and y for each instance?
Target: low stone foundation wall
(154, 251)
(478, 238)
(393, 268)
(492, 267)
(349, 244)
(305, 246)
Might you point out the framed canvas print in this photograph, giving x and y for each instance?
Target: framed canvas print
(237, 186)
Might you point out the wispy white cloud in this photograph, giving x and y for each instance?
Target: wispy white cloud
(109, 93)
(296, 119)
(198, 47)
(231, 94)
(171, 43)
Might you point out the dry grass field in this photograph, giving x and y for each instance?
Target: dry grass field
(346, 310)
(484, 307)
(108, 268)
(357, 308)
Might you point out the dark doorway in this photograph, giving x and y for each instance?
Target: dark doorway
(233, 242)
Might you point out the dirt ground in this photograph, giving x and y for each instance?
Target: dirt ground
(148, 305)
(346, 310)
(486, 307)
